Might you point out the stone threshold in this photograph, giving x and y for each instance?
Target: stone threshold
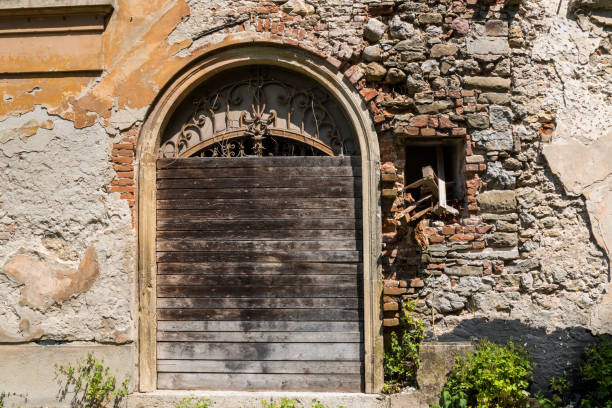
(236, 399)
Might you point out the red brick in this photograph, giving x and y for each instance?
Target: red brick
(368, 94)
(411, 131)
(436, 239)
(419, 121)
(128, 160)
(428, 132)
(417, 283)
(478, 244)
(466, 92)
(334, 61)
(446, 123)
(483, 229)
(461, 237)
(391, 322)
(471, 167)
(121, 189)
(433, 122)
(390, 306)
(390, 283)
(122, 182)
(459, 132)
(122, 153)
(394, 291)
(448, 230)
(435, 266)
(123, 146)
(125, 174)
(126, 167)
(127, 196)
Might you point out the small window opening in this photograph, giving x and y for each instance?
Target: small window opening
(433, 179)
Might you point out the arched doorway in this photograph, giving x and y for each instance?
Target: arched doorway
(258, 225)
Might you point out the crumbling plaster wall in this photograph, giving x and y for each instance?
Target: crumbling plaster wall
(564, 76)
(529, 255)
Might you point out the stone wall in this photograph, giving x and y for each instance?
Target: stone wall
(523, 88)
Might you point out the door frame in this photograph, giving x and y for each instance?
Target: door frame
(348, 98)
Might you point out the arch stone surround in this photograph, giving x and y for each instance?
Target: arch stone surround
(355, 110)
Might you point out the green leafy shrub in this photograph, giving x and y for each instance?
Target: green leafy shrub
(401, 360)
(597, 374)
(193, 402)
(92, 385)
(492, 376)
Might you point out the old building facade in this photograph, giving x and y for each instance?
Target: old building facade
(119, 119)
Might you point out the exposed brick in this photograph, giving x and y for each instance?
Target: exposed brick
(458, 132)
(419, 120)
(368, 94)
(428, 132)
(394, 291)
(461, 237)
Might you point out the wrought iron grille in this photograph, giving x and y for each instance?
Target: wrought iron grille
(258, 111)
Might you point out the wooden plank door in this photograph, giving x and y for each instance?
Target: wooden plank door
(259, 274)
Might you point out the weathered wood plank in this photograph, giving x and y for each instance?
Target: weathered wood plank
(257, 303)
(276, 235)
(261, 382)
(233, 172)
(316, 191)
(260, 314)
(284, 280)
(259, 351)
(254, 268)
(263, 367)
(233, 212)
(261, 337)
(187, 325)
(265, 203)
(248, 162)
(259, 182)
(261, 256)
(208, 245)
(258, 291)
(255, 224)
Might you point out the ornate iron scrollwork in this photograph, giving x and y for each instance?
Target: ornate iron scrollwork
(265, 112)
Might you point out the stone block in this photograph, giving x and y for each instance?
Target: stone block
(463, 270)
(494, 98)
(492, 140)
(443, 50)
(502, 239)
(483, 82)
(437, 360)
(374, 29)
(497, 201)
(430, 18)
(488, 46)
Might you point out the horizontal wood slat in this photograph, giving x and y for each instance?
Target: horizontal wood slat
(233, 212)
(269, 367)
(261, 382)
(259, 326)
(257, 303)
(259, 274)
(190, 224)
(261, 256)
(255, 268)
(253, 183)
(284, 280)
(268, 245)
(260, 314)
(259, 351)
(315, 191)
(250, 162)
(264, 203)
(275, 235)
(258, 291)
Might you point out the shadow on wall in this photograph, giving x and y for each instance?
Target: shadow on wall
(552, 353)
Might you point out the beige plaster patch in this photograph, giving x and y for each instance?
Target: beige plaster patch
(45, 285)
(23, 132)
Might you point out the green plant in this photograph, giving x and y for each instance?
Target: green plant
(492, 376)
(193, 402)
(289, 403)
(401, 360)
(597, 374)
(92, 385)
